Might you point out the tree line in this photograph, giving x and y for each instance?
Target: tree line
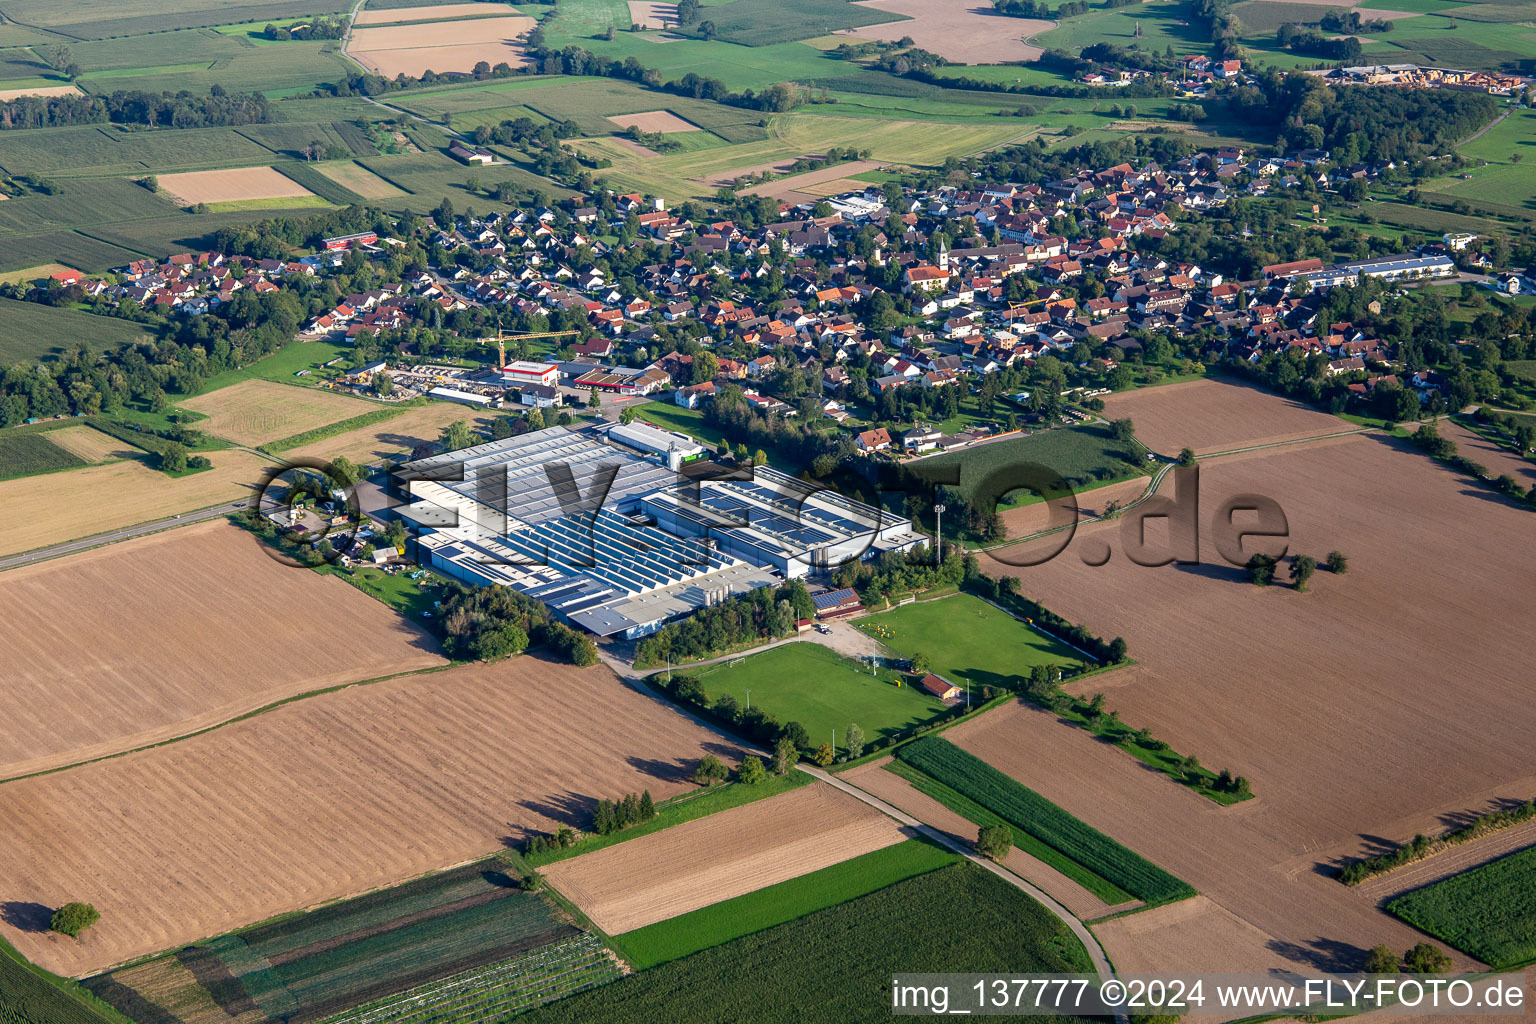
(154, 110)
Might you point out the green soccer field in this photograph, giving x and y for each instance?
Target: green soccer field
(809, 684)
(966, 639)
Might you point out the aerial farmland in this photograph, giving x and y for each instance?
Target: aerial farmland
(751, 511)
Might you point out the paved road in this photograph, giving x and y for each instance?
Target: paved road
(1090, 942)
(126, 533)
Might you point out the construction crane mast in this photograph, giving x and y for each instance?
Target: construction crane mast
(502, 338)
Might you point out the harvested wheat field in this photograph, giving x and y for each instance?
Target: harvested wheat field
(236, 183)
(39, 90)
(28, 274)
(710, 859)
(257, 411)
(395, 435)
(359, 179)
(872, 778)
(652, 14)
(786, 188)
(92, 445)
(327, 797)
(1216, 415)
(441, 46)
(93, 668)
(56, 507)
(1495, 458)
(1326, 700)
(390, 16)
(663, 122)
(969, 34)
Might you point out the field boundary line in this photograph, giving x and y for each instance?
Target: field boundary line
(1091, 945)
(243, 716)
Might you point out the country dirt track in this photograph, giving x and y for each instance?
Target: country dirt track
(721, 856)
(1380, 704)
(153, 638)
(326, 797)
(1216, 415)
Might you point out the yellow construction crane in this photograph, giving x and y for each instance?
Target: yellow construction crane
(502, 338)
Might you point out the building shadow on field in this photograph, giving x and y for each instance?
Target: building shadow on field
(25, 915)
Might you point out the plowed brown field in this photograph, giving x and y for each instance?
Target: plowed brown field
(1216, 415)
(325, 797)
(157, 637)
(1379, 704)
(737, 851)
(1495, 458)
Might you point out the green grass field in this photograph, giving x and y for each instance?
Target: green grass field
(1488, 912)
(32, 331)
(1103, 888)
(731, 919)
(1081, 454)
(966, 639)
(1163, 23)
(1024, 808)
(69, 247)
(823, 691)
(27, 454)
(831, 965)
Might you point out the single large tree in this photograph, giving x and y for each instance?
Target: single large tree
(73, 918)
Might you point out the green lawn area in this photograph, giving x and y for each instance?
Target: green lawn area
(675, 417)
(407, 596)
(1488, 912)
(967, 639)
(831, 965)
(731, 919)
(1163, 23)
(809, 684)
(687, 807)
(1080, 454)
(284, 364)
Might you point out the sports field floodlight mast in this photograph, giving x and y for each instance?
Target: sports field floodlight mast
(938, 546)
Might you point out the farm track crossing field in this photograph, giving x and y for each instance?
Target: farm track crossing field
(809, 684)
(257, 411)
(1216, 415)
(968, 640)
(31, 453)
(329, 796)
(230, 185)
(195, 656)
(731, 919)
(1022, 807)
(330, 960)
(658, 876)
(1488, 912)
(84, 502)
(957, 918)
